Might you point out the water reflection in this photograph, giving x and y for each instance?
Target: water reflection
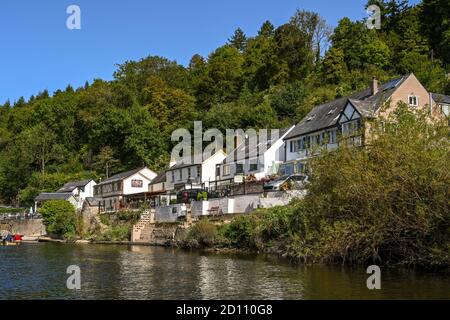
(38, 271)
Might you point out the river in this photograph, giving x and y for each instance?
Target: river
(38, 271)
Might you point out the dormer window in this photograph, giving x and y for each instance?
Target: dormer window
(413, 101)
(331, 111)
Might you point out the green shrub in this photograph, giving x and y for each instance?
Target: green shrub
(129, 216)
(203, 234)
(59, 218)
(12, 210)
(240, 232)
(116, 233)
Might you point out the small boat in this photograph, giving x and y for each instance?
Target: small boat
(16, 243)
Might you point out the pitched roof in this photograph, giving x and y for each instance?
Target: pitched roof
(72, 185)
(159, 178)
(183, 164)
(92, 201)
(53, 196)
(190, 161)
(244, 147)
(440, 98)
(121, 176)
(327, 114)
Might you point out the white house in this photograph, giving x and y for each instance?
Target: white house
(443, 102)
(188, 175)
(43, 197)
(112, 190)
(348, 119)
(80, 190)
(261, 160)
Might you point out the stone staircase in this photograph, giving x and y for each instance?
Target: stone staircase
(140, 229)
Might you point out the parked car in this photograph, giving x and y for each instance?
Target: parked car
(188, 195)
(282, 183)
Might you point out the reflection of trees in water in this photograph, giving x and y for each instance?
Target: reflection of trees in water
(232, 278)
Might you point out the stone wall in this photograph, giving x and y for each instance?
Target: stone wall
(170, 213)
(28, 228)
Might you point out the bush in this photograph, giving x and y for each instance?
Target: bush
(129, 216)
(202, 234)
(116, 233)
(386, 203)
(240, 232)
(59, 218)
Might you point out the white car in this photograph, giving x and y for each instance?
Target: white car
(298, 179)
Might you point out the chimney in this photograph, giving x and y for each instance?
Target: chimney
(374, 86)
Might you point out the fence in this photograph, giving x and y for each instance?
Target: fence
(228, 188)
(19, 216)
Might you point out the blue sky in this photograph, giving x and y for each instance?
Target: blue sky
(38, 51)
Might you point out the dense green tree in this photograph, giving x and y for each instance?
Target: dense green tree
(435, 18)
(334, 67)
(267, 29)
(238, 40)
(59, 218)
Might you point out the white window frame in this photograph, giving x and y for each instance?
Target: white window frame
(416, 102)
(226, 170)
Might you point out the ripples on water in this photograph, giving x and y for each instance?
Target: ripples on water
(38, 271)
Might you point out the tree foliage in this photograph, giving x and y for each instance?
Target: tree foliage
(59, 218)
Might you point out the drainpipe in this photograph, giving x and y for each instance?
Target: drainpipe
(431, 103)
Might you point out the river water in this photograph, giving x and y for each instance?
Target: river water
(38, 271)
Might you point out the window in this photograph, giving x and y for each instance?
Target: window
(253, 166)
(173, 176)
(239, 168)
(350, 128)
(287, 169)
(298, 145)
(445, 109)
(299, 167)
(413, 101)
(189, 173)
(291, 146)
(180, 174)
(226, 170)
(137, 183)
(333, 136)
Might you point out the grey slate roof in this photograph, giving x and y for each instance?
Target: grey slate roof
(440, 98)
(53, 196)
(72, 185)
(120, 176)
(244, 149)
(183, 164)
(159, 178)
(327, 114)
(92, 201)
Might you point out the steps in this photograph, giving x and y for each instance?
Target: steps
(147, 218)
